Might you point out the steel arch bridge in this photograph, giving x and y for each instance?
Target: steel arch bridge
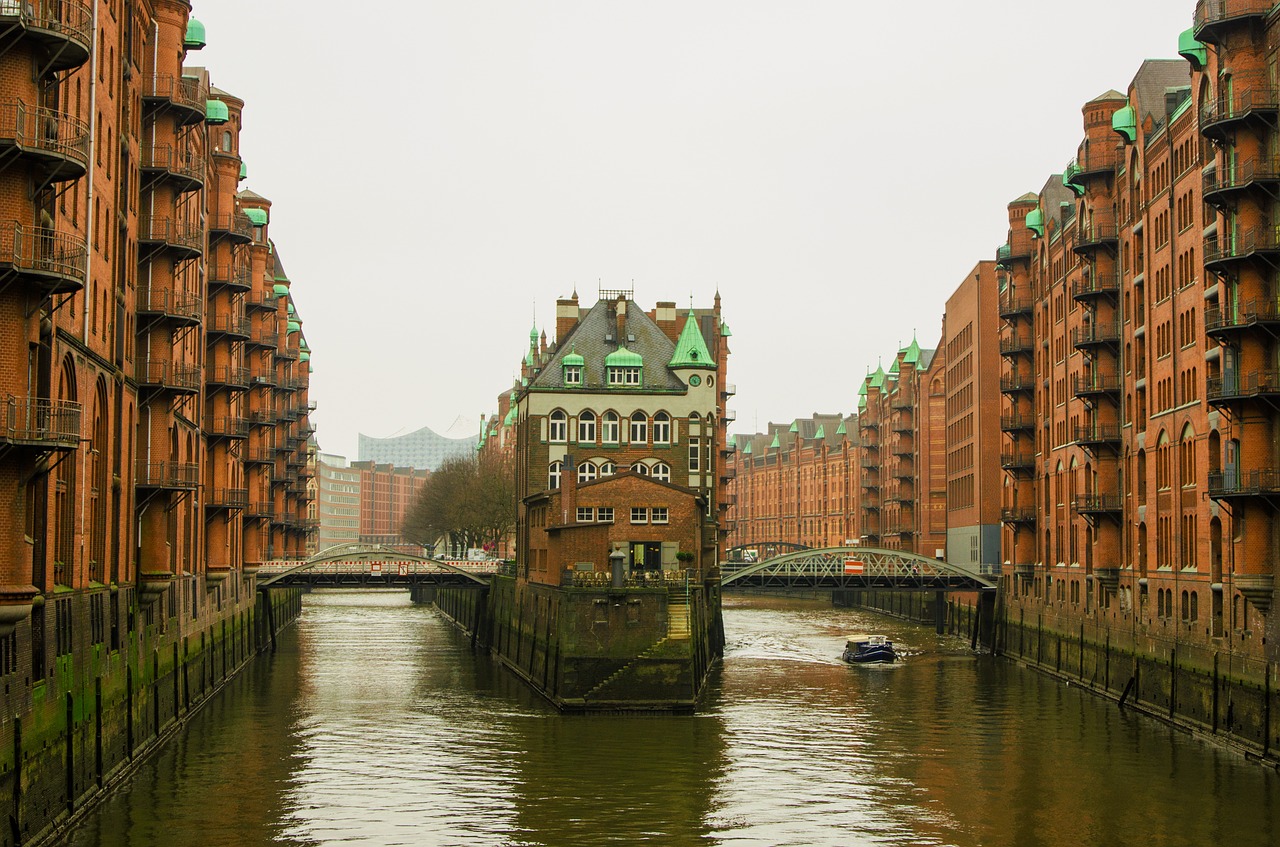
(853, 568)
(355, 564)
(761, 549)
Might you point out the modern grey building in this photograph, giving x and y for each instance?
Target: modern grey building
(423, 449)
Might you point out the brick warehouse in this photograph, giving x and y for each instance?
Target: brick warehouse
(1136, 321)
(154, 385)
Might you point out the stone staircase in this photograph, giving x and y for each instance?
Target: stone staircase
(678, 621)
(613, 677)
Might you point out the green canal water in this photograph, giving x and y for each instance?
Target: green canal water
(375, 724)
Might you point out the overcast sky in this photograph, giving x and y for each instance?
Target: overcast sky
(439, 170)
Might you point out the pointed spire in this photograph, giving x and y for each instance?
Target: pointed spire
(691, 350)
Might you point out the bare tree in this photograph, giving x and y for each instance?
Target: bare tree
(468, 501)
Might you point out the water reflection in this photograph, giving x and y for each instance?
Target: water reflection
(375, 724)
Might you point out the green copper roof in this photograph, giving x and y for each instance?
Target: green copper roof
(820, 434)
(775, 445)
(257, 217)
(244, 171)
(304, 356)
(691, 350)
(510, 418)
(862, 387)
(795, 426)
(195, 37)
(290, 310)
(913, 352)
(573, 358)
(1003, 253)
(893, 366)
(731, 442)
(724, 330)
(623, 358)
(1035, 223)
(877, 378)
(1193, 51)
(533, 334)
(293, 326)
(216, 112)
(279, 290)
(1125, 122)
(840, 430)
(746, 451)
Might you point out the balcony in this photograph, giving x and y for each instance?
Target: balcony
(1018, 515)
(1259, 314)
(183, 239)
(905, 470)
(260, 456)
(235, 327)
(1098, 160)
(1097, 505)
(290, 350)
(55, 144)
(727, 472)
(1015, 306)
(1236, 483)
(1236, 387)
(728, 390)
(904, 447)
(234, 275)
(258, 509)
(902, 425)
(1215, 17)
(1096, 385)
(1018, 462)
(234, 499)
(1229, 180)
(1017, 422)
(1221, 252)
(1099, 334)
(1250, 99)
(62, 29)
(871, 484)
(186, 96)
(870, 463)
(1095, 236)
(53, 261)
(1017, 383)
(183, 169)
(166, 304)
(1017, 344)
(163, 375)
(223, 426)
(39, 423)
(233, 225)
(1092, 436)
(903, 401)
(176, 475)
(265, 379)
(263, 336)
(262, 417)
(227, 376)
(260, 302)
(1096, 285)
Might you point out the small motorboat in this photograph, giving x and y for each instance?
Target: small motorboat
(868, 649)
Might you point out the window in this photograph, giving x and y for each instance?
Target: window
(639, 428)
(587, 471)
(695, 455)
(624, 376)
(586, 513)
(604, 514)
(639, 514)
(608, 469)
(640, 469)
(662, 428)
(587, 428)
(658, 514)
(662, 472)
(559, 426)
(609, 428)
(573, 374)
(553, 474)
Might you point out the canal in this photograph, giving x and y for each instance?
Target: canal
(374, 724)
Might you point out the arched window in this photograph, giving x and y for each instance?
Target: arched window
(608, 469)
(559, 427)
(587, 471)
(609, 428)
(662, 472)
(587, 428)
(553, 474)
(639, 428)
(640, 469)
(662, 428)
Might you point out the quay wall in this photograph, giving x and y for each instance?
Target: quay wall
(119, 679)
(1209, 690)
(595, 648)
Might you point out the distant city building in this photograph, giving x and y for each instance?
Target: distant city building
(386, 493)
(424, 449)
(338, 501)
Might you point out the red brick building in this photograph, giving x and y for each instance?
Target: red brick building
(386, 495)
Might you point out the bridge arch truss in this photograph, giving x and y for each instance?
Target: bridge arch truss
(856, 568)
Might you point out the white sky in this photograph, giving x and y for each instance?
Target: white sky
(835, 168)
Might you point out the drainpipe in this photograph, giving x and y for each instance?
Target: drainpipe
(93, 145)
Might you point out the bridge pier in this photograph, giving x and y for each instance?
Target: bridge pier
(422, 594)
(940, 612)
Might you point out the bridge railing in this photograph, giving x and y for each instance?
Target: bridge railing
(855, 564)
(357, 567)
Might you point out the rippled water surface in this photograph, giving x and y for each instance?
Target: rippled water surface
(375, 724)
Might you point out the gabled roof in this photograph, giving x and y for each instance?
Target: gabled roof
(593, 338)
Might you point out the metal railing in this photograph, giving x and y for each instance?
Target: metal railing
(1013, 344)
(70, 18)
(1101, 433)
(235, 223)
(1098, 159)
(188, 92)
(1244, 483)
(37, 128)
(38, 420)
(1107, 332)
(168, 475)
(1096, 284)
(166, 301)
(1250, 314)
(227, 375)
(171, 232)
(239, 274)
(43, 250)
(1243, 385)
(226, 426)
(182, 163)
(1017, 382)
(1084, 503)
(1095, 384)
(1240, 174)
(1259, 239)
(227, 325)
(227, 498)
(1011, 306)
(1017, 515)
(161, 372)
(1014, 422)
(1218, 11)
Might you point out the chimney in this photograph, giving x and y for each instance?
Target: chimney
(621, 313)
(569, 491)
(566, 317)
(664, 315)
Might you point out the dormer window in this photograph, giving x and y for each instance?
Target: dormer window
(626, 376)
(573, 375)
